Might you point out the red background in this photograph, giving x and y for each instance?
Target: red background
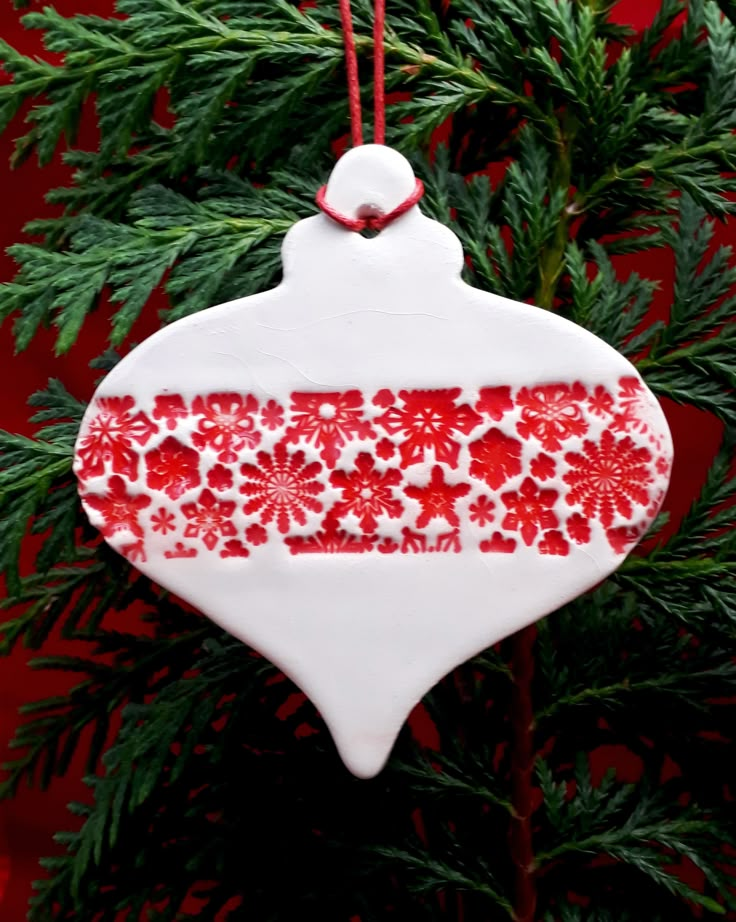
(28, 822)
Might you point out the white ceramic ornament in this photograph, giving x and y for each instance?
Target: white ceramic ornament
(373, 471)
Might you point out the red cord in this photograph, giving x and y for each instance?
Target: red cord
(379, 73)
(351, 60)
(375, 222)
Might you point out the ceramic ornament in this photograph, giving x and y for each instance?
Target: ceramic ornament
(373, 471)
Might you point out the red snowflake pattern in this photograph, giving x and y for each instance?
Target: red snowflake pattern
(367, 493)
(209, 518)
(118, 508)
(429, 420)
(529, 510)
(608, 477)
(348, 460)
(328, 421)
(172, 468)
(109, 438)
(496, 458)
(438, 498)
(226, 425)
(282, 487)
(551, 413)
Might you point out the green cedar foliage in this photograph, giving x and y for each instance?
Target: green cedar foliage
(214, 790)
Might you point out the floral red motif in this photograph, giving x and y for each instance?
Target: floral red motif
(209, 519)
(600, 402)
(256, 534)
(543, 467)
(554, 543)
(608, 477)
(495, 401)
(282, 487)
(551, 413)
(610, 487)
(118, 508)
(109, 438)
(272, 415)
(497, 544)
(367, 493)
(328, 421)
(578, 527)
(330, 540)
(438, 498)
(429, 420)
(234, 548)
(172, 468)
(220, 478)
(163, 521)
(226, 425)
(496, 458)
(529, 510)
(171, 408)
(481, 511)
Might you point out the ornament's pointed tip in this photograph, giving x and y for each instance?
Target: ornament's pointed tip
(365, 757)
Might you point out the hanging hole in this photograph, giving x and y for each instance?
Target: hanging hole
(369, 210)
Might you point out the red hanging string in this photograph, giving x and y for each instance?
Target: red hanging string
(371, 221)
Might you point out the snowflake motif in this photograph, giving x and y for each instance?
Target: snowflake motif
(210, 518)
(163, 521)
(635, 407)
(118, 508)
(608, 477)
(367, 493)
(272, 415)
(170, 407)
(438, 498)
(529, 510)
(429, 420)
(109, 437)
(495, 401)
(282, 487)
(600, 402)
(172, 468)
(226, 425)
(551, 413)
(481, 511)
(496, 458)
(328, 421)
(330, 540)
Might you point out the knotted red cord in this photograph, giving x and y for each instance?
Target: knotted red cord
(374, 221)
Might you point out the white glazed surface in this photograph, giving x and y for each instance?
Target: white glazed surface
(367, 635)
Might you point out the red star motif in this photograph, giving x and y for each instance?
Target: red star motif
(438, 498)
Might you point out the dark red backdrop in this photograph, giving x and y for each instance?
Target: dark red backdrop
(27, 823)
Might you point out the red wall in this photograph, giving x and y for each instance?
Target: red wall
(27, 823)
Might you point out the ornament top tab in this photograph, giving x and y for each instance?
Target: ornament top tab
(373, 471)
